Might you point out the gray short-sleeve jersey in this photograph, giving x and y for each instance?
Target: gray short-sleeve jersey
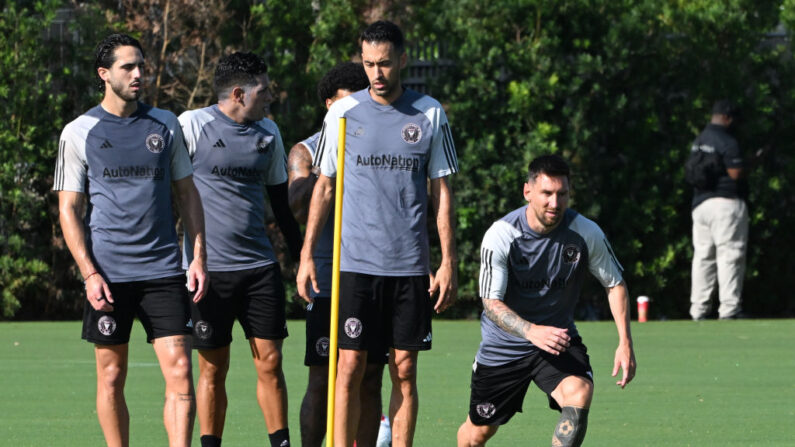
(232, 163)
(539, 276)
(390, 152)
(125, 166)
(324, 249)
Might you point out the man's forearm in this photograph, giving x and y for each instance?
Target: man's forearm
(618, 297)
(319, 208)
(445, 218)
(192, 212)
(70, 209)
(285, 219)
(505, 318)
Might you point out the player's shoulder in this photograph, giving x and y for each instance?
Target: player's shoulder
(269, 126)
(422, 102)
(582, 225)
(310, 143)
(80, 126)
(506, 229)
(341, 106)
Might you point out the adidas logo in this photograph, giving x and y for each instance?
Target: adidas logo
(219, 143)
(427, 338)
(106, 145)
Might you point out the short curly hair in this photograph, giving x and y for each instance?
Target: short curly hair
(347, 76)
(238, 69)
(105, 53)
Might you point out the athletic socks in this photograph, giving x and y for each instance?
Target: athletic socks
(280, 438)
(210, 441)
(571, 427)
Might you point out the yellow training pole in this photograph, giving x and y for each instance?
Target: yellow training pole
(335, 287)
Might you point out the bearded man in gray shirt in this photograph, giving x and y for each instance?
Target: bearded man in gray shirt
(396, 139)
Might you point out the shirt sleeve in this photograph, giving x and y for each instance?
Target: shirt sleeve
(494, 260)
(181, 165)
(326, 157)
(444, 160)
(733, 157)
(277, 171)
(602, 261)
(71, 167)
(191, 130)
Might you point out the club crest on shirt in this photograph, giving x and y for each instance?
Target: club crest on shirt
(106, 325)
(203, 330)
(155, 143)
(411, 133)
(262, 145)
(486, 410)
(321, 346)
(353, 327)
(571, 254)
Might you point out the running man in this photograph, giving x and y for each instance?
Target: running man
(115, 170)
(396, 140)
(237, 155)
(533, 262)
(338, 83)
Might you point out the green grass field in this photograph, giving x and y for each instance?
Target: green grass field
(713, 383)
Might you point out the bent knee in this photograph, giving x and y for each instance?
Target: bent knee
(574, 391)
(472, 435)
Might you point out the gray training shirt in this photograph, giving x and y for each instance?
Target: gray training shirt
(232, 164)
(539, 277)
(390, 152)
(125, 167)
(324, 249)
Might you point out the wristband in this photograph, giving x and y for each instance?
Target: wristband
(90, 275)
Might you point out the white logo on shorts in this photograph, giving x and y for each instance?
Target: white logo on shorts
(486, 410)
(321, 347)
(353, 327)
(106, 325)
(203, 330)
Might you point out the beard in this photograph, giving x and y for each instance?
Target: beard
(123, 92)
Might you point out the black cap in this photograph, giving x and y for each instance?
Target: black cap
(724, 107)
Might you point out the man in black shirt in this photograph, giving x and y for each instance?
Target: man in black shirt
(720, 221)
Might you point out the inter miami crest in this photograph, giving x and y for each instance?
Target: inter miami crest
(571, 254)
(155, 143)
(106, 325)
(411, 133)
(353, 327)
(486, 410)
(203, 330)
(321, 346)
(262, 146)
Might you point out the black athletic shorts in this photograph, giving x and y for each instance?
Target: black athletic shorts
(497, 392)
(161, 304)
(254, 296)
(379, 312)
(318, 321)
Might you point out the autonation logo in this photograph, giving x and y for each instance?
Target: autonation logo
(388, 161)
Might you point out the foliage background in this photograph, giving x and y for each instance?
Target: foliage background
(619, 88)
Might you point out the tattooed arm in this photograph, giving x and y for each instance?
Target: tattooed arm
(301, 181)
(548, 338)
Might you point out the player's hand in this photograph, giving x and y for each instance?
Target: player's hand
(198, 279)
(625, 359)
(98, 293)
(305, 278)
(553, 340)
(445, 282)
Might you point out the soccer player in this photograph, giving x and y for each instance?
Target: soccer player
(532, 265)
(338, 83)
(237, 155)
(396, 140)
(115, 169)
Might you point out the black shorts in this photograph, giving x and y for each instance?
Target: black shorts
(161, 304)
(318, 321)
(254, 296)
(498, 391)
(379, 312)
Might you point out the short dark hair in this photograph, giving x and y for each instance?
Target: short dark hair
(347, 76)
(238, 69)
(105, 53)
(724, 107)
(550, 164)
(384, 31)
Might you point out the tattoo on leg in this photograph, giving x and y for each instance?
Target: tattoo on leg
(570, 431)
(185, 396)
